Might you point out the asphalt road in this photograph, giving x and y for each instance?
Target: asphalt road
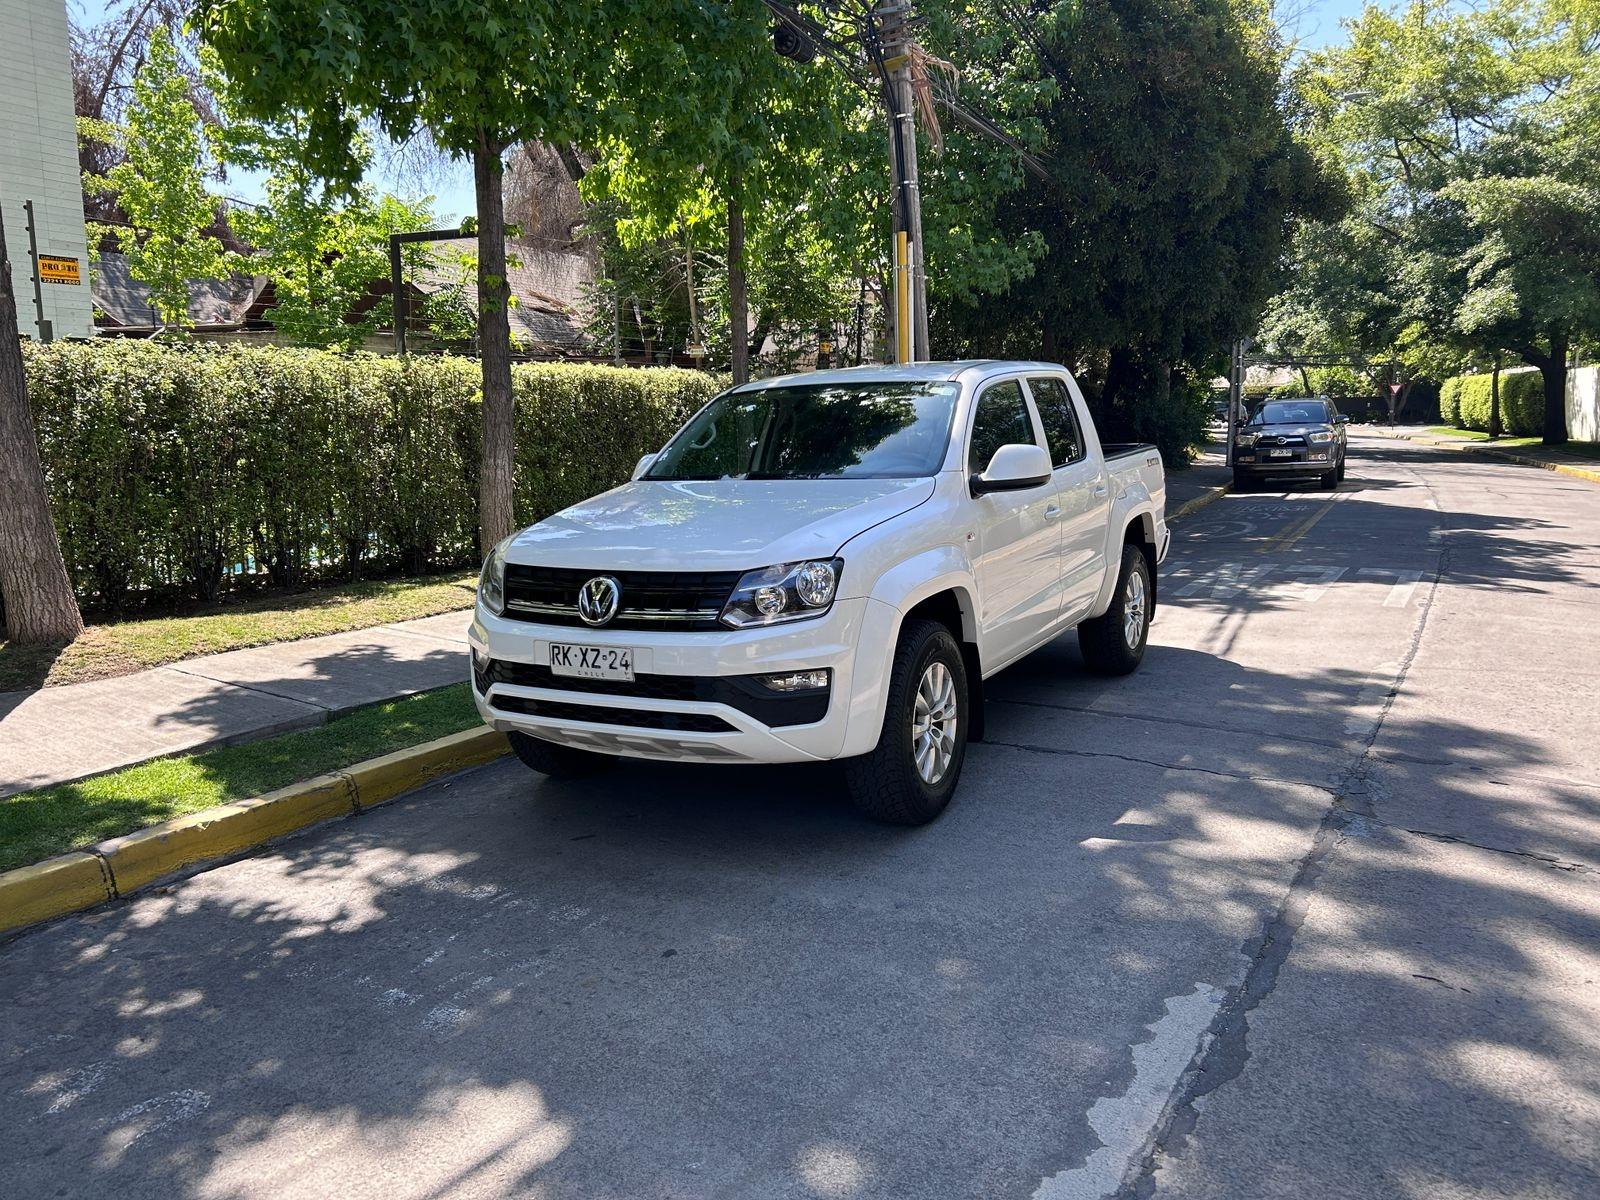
(1309, 907)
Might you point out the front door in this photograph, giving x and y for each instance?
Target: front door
(1017, 534)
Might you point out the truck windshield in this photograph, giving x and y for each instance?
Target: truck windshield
(886, 430)
(1290, 412)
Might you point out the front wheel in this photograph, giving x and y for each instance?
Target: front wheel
(1243, 481)
(1114, 644)
(909, 777)
(1338, 474)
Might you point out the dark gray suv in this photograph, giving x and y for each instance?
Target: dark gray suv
(1304, 437)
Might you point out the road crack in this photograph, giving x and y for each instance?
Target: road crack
(1225, 1050)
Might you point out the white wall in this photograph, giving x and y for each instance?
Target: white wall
(39, 161)
(1583, 404)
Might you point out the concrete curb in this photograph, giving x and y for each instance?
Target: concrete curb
(84, 878)
(1496, 452)
(1190, 507)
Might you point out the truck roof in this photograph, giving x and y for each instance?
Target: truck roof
(890, 372)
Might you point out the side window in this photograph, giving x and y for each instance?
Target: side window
(1000, 419)
(1054, 401)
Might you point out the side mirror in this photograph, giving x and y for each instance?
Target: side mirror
(643, 465)
(1014, 467)
(1343, 420)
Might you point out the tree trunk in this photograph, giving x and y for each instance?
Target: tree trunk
(1494, 399)
(738, 293)
(1554, 374)
(1305, 380)
(39, 604)
(496, 464)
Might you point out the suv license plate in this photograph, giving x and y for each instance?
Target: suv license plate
(1280, 453)
(592, 662)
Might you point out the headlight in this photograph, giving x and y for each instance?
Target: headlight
(1320, 436)
(787, 592)
(1246, 439)
(492, 580)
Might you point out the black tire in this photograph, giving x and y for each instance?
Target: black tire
(557, 761)
(1338, 474)
(1103, 640)
(1243, 481)
(1329, 478)
(885, 783)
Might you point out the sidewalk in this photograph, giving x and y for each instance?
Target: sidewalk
(1200, 481)
(59, 734)
(1538, 456)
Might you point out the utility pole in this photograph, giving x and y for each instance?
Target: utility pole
(910, 277)
(1235, 394)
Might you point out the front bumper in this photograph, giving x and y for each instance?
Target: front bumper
(692, 700)
(1304, 462)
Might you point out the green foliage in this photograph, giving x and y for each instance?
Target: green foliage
(161, 185)
(1468, 137)
(1470, 398)
(177, 471)
(322, 245)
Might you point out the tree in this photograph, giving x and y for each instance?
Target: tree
(322, 246)
(160, 185)
(1172, 179)
(479, 80)
(1469, 139)
(38, 604)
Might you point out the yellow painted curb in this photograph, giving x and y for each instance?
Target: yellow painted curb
(1189, 507)
(381, 779)
(55, 886)
(138, 858)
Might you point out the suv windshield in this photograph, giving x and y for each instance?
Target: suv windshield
(1290, 412)
(886, 430)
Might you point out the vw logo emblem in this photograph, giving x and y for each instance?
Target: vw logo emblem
(598, 599)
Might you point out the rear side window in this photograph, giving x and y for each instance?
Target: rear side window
(1000, 419)
(1060, 420)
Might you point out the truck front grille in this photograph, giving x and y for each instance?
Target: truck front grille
(650, 600)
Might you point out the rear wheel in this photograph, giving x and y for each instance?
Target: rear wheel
(909, 777)
(1338, 474)
(554, 760)
(1114, 644)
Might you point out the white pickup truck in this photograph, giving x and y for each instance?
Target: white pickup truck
(825, 566)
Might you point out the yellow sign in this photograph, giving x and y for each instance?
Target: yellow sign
(59, 270)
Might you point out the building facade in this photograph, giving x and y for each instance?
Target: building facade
(39, 163)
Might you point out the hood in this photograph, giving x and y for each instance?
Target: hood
(1288, 428)
(714, 525)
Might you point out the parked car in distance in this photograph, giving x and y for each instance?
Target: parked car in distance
(825, 566)
(1303, 437)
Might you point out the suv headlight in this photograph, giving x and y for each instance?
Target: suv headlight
(1246, 439)
(1321, 436)
(787, 592)
(492, 580)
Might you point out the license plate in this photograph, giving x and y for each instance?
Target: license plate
(1280, 453)
(592, 662)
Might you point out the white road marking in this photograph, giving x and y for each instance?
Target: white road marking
(1405, 582)
(1124, 1123)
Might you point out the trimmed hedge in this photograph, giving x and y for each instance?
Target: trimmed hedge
(1465, 400)
(182, 471)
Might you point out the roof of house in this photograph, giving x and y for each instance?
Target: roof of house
(548, 286)
(120, 300)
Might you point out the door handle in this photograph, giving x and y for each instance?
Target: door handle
(1101, 489)
(1052, 512)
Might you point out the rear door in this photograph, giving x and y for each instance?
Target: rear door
(1082, 493)
(1017, 557)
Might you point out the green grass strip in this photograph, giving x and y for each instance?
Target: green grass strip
(36, 825)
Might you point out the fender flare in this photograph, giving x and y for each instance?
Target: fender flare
(895, 593)
(1141, 513)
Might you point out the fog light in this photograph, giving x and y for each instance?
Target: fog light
(796, 681)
